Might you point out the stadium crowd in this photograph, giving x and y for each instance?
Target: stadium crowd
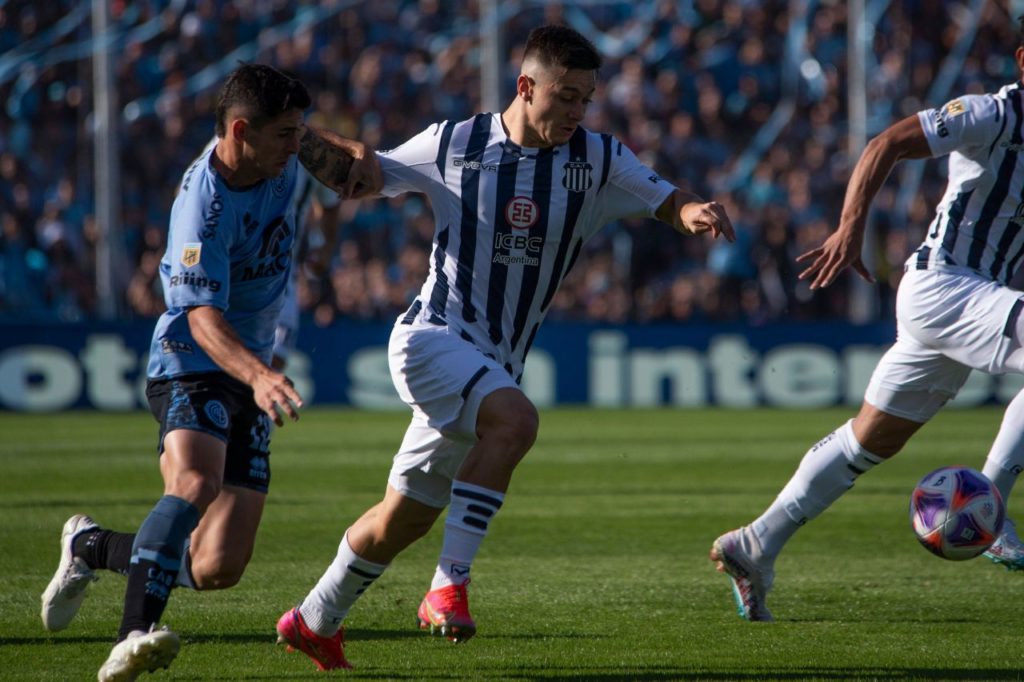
(736, 100)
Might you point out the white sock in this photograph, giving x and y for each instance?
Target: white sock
(348, 576)
(826, 472)
(1006, 458)
(469, 515)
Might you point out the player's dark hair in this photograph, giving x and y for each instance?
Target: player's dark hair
(262, 92)
(555, 45)
(1020, 31)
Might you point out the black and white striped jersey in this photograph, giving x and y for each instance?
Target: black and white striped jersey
(510, 222)
(978, 223)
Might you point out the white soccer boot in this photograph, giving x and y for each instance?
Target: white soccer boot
(1007, 550)
(63, 596)
(734, 554)
(140, 652)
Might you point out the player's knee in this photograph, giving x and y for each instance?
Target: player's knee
(522, 429)
(218, 572)
(196, 487)
(517, 429)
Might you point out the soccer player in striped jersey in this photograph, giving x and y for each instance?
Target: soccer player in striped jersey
(515, 195)
(210, 384)
(955, 310)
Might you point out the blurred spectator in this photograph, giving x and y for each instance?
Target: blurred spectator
(145, 297)
(22, 270)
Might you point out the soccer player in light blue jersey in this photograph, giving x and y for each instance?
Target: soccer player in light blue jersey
(957, 309)
(310, 198)
(210, 381)
(515, 195)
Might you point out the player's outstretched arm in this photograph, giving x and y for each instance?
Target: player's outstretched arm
(271, 389)
(902, 140)
(347, 166)
(690, 214)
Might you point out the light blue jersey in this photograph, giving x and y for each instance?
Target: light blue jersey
(226, 248)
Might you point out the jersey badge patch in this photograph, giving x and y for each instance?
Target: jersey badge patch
(577, 177)
(522, 213)
(955, 108)
(190, 254)
(171, 346)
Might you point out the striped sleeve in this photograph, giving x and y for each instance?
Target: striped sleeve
(412, 167)
(635, 188)
(965, 122)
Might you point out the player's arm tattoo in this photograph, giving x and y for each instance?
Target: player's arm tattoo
(326, 156)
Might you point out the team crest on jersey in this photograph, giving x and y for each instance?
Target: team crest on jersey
(955, 108)
(274, 255)
(522, 213)
(190, 254)
(577, 176)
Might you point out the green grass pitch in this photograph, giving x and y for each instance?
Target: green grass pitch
(596, 568)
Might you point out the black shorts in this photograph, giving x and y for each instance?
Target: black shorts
(223, 407)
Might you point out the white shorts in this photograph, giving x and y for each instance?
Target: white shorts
(948, 322)
(443, 378)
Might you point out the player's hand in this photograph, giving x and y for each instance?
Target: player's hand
(364, 177)
(840, 251)
(275, 394)
(707, 217)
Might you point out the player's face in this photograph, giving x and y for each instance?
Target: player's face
(269, 147)
(558, 104)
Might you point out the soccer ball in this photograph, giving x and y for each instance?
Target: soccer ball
(956, 512)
